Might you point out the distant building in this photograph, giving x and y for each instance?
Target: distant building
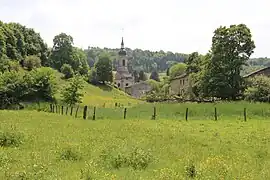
(264, 71)
(180, 85)
(122, 77)
(124, 80)
(138, 90)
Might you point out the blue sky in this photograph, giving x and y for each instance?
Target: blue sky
(171, 25)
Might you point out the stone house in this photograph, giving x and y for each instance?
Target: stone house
(180, 85)
(139, 89)
(264, 71)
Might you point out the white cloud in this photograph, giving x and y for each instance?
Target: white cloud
(171, 25)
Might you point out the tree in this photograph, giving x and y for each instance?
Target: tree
(67, 70)
(32, 62)
(193, 63)
(177, 69)
(71, 94)
(154, 75)
(231, 48)
(142, 76)
(104, 68)
(258, 89)
(62, 51)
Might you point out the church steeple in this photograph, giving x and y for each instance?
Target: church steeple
(122, 43)
(122, 50)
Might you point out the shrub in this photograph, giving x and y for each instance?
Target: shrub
(71, 94)
(70, 155)
(8, 65)
(191, 171)
(258, 89)
(12, 88)
(10, 139)
(43, 84)
(67, 70)
(32, 62)
(16, 87)
(137, 159)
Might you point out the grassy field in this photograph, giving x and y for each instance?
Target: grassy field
(40, 145)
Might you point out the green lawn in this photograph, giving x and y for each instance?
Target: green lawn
(62, 147)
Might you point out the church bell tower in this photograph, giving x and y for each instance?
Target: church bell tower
(123, 78)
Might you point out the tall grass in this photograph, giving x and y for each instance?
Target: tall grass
(60, 147)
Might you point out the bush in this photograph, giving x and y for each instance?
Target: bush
(8, 139)
(70, 155)
(258, 89)
(16, 87)
(32, 62)
(8, 65)
(137, 159)
(71, 94)
(67, 70)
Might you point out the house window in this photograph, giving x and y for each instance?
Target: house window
(127, 84)
(118, 84)
(124, 62)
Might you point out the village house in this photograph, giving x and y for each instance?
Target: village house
(264, 71)
(139, 89)
(180, 85)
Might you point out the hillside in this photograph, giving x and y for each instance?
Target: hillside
(97, 95)
(51, 146)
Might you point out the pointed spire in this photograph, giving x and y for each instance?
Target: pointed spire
(122, 43)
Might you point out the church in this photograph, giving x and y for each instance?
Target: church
(124, 80)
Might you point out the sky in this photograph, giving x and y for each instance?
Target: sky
(182, 26)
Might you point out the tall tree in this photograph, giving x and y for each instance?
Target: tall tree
(178, 69)
(193, 63)
(62, 50)
(231, 48)
(104, 68)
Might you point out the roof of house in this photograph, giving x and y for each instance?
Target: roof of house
(255, 72)
(181, 76)
(138, 83)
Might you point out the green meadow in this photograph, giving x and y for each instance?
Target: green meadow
(43, 145)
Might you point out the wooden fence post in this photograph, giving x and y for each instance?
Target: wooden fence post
(94, 114)
(186, 114)
(84, 112)
(77, 112)
(51, 108)
(215, 114)
(71, 110)
(66, 110)
(125, 113)
(62, 110)
(154, 115)
(245, 114)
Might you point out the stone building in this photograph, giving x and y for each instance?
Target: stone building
(122, 77)
(124, 80)
(264, 71)
(180, 85)
(139, 89)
